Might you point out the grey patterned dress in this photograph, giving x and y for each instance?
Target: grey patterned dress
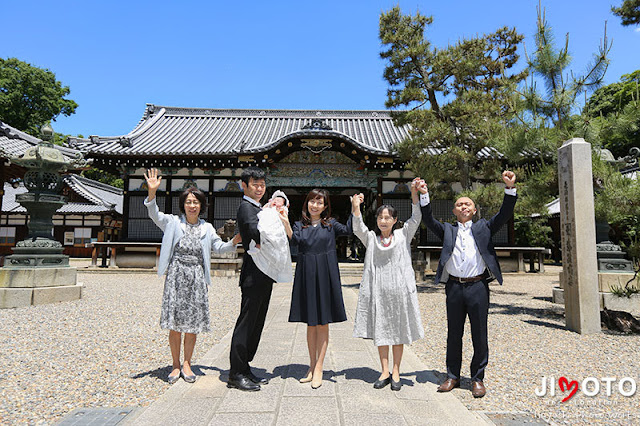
(185, 302)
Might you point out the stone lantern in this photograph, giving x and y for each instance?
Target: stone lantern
(38, 272)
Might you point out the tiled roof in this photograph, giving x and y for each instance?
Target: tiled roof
(98, 193)
(15, 142)
(199, 131)
(100, 198)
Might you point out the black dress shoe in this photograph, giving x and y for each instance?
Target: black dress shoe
(242, 382)
(257, 380)
(395, 386)
(379, 384)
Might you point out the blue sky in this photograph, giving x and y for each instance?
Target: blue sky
(117, 56)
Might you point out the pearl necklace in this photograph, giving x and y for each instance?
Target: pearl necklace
(386, 242)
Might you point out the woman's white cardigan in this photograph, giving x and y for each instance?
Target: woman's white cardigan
(173, 228)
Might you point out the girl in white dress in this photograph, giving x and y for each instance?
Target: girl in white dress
(388, 310)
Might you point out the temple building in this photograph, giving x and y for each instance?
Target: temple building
(345, 152)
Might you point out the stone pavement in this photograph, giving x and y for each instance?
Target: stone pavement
(346, 397)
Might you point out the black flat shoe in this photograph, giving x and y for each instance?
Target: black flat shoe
(379, 384)
(395, 386)
(242, 382)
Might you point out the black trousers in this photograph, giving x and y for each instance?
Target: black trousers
(246, 334)
(470, 299)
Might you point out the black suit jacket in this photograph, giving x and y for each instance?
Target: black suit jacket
(482, 231)
(247, 218)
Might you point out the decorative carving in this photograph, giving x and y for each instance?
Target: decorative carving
(316, 145)
(317, 124)
(326, 157)
(39, 242)
(232, 186)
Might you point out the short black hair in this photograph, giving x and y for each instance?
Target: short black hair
(254, 173)
(196, 193)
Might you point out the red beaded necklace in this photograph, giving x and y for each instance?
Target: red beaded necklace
(386, 244)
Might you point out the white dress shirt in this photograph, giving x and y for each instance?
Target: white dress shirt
(465, 260)
(251, 200)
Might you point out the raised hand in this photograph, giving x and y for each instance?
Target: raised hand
(237, 239)
(509, 178)
(153, 182)
(153, 179)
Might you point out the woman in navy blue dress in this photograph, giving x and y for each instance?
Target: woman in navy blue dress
(317, 292)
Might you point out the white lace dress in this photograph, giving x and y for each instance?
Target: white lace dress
(388, 310)
(185, 302)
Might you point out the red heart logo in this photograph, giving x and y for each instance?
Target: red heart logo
(564, 383)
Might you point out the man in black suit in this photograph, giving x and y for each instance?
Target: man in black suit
(255, 286)
(468, 262)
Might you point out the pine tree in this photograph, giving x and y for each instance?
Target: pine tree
(629, 12)
(454, 98)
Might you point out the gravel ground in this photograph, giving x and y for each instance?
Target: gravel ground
(528, 341)
(105, 350)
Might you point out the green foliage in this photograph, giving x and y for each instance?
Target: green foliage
(613, 115)
(629, 12)
(552, 109)
(614, 97)
(532, 231)
(104, 177)
(617, 202)
(627, 290)
(456, 96)
(31, 96)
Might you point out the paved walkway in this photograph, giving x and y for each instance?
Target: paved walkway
(346, 397)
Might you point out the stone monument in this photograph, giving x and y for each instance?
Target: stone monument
(38, 272)
(577, 221)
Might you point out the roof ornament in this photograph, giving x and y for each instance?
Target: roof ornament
(317, 124)
(125, 142)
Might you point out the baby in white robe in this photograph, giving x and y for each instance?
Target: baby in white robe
(273, 256)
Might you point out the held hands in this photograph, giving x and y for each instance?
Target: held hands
(153, 180)
(356, 202)
(421, 185)
(509, 178)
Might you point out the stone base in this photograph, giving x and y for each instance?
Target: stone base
(608, 300)
(225, 267)
(37, 277)
(558, 296)
(626, 304)
(136, 259)
(21, 297)
(606, 280)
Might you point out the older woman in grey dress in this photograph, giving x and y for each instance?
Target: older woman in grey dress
(185, 256)
(388, 310)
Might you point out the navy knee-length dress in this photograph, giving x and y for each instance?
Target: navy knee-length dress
(317, 291)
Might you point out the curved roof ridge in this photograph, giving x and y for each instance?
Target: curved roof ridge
(265, 112)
